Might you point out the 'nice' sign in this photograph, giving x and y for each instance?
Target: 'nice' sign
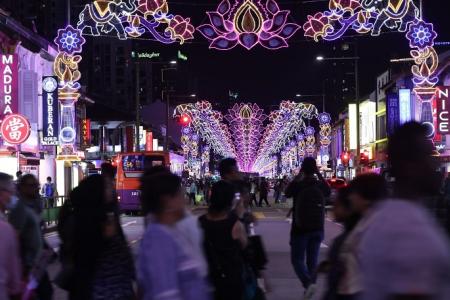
(8, 85)
(443, 109)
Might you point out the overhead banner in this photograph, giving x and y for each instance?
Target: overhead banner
(9, 84)
(443, 110)
(50, 109)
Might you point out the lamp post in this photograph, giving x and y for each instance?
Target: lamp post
(355, 59)
(166, 136)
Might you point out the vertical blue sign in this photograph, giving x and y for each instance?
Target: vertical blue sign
(50, 108)
(392, 113)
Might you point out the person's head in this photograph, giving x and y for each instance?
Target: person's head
(222, 195)
(228, 169)
(19, 174)
(90, 194)
(309, 166)
(49, 179)
(28, 186)
(108, 170)
(366, 190)
(162, 196)
(6, 190)
(342, 208)
(412, 164)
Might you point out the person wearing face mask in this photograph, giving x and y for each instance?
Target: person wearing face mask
(10, 273)
(166, 267)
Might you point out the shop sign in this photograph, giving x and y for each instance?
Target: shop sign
(392, 113)
(15, 129)
(182, 56)
(9, 84)
(149, 142)
(85, 129)
(404, 96)
(50, 127)
(443, 110)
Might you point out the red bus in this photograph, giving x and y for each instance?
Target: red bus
(130, 167)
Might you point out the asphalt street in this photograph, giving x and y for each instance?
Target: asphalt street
(272, 225)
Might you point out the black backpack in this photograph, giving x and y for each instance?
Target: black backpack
(309, 207)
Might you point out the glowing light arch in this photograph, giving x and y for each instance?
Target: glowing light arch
(127, 19)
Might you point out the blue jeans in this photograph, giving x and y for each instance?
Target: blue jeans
(305, 249)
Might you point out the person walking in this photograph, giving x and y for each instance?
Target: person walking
(253, 190)
(309, 190)
(48, 191)
(101, 261)
(10, 268)
(263, 192)
(25, 217)
(225, 239)
(193, 192)
(404, 253)
(167, 267)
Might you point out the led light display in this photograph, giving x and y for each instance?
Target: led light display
(248, 23)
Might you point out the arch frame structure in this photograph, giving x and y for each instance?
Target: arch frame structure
(245, 23)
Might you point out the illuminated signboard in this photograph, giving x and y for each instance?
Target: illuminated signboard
(368, 122)
(149, 142)
(15, 129)
(148, 55)
(182, 56)
(404, 96)
(85, 136)
(8, 85)
(353, 126)
(443, 110)
(50, 109)
(392, 113)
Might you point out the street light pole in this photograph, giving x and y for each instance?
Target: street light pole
(138, 109)
(166, 136)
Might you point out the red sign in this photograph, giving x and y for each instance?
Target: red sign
(9, 84)
(85, 133)
(149, 142)
(15, 129)
(443, 110)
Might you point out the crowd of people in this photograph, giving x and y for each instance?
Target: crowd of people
(394, 244)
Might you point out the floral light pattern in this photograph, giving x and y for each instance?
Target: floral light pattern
(421, 35)
(69, 40)
(248, 23)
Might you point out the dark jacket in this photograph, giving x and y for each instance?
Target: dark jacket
(309, 204)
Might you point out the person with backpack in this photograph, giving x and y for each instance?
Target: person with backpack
(48, 191)
(309, 190)
(224, 241)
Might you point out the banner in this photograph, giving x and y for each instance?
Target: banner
(85, 133)
(392, 113)
(9, 84)
(50, 110)
(443, 110)
(149, 142)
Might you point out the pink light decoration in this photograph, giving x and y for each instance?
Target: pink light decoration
(246, 124)
(248, 23)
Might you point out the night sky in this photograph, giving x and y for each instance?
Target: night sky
(267, 77)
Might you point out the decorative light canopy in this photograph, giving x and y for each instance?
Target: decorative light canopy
(248, 23)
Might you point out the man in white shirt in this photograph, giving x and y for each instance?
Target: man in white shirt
(404, 253)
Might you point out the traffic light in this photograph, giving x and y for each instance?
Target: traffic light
(345, 158)
(184, 120)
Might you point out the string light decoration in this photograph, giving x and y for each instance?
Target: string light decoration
(246, 124)
(373, 16)
(248, 23)
(127, 19)
(301, 145)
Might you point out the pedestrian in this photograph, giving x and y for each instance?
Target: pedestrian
(25, 217)
(263, 192)
(192, 192)
(333, 266)
(277, 190)
(365, 192)
(101, 259)
(309, 190)
(10, 268)
(225, 239)
(404, 252)
(48, 192)
(229, 171)
(167, 268)
(253, 190)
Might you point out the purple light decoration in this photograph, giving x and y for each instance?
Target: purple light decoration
(421, 35)
(248, 23)
(310, 130)
(69, 40)
(246, 123)
(324, 118)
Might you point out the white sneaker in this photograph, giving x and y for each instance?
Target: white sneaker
(310, 292)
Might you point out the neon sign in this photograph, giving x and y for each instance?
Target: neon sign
(248, 23)
(8, 84)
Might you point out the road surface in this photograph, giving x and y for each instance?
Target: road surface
(272, 226)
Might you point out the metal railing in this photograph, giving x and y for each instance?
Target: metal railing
(51, 207)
